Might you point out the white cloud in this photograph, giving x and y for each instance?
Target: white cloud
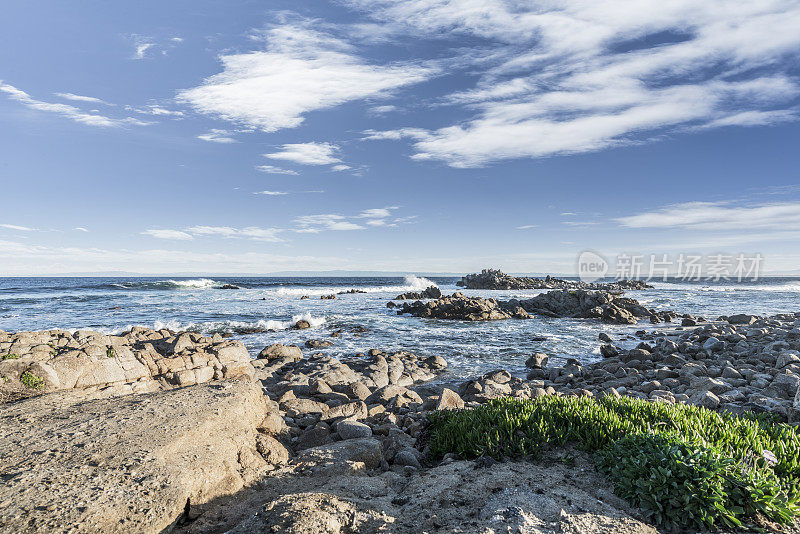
(141, 50)
(216, 135)
(176, 39)
(378, 213)
(271, 169)
(80, 229)
(65, 110)
(313, 224)
(168, 234)
(527, 226)
(339, 168)
(382, 110)
(777, 216)
(300, 70)
(81, 98)
(17, 227)
(307, 153)
(154, 109)
(271, 193)
(251, 232)
(580, 76)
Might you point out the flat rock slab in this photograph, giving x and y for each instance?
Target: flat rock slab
(126, 464)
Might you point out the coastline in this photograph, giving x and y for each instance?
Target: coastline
(352, 430)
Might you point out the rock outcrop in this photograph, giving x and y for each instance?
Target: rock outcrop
(494, 279)
(577, 303)
(138, 361)
(129, 464)
(462, 308)
(431, 292)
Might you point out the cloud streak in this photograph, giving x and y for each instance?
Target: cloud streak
(720, 216)
(66, 110)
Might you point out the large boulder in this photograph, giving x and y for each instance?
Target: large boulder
(129, 464)
(278, 350)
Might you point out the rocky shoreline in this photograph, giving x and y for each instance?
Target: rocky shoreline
(300, 442)
(494, 279)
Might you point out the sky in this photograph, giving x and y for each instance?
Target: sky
(399, 135)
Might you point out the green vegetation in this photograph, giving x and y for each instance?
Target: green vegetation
(683, 465)
(110, 352)
(9, 357)
(30, 380)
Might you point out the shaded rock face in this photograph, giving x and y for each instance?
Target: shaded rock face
(432, 292)
(127, 464)
(497, 280)
(457, 306)
(577, 303)
(138, 361)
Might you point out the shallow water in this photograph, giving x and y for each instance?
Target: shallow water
(113, 305)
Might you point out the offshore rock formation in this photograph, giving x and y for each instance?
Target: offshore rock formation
(580, 303)
(495, 279)
(432, 292)
(138, 361)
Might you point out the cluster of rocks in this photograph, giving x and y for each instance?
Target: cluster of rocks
(138, 361)
(351, 292)
(494, 279)
(579, 303)
(431, 292)
(462, 308)
(747, 364)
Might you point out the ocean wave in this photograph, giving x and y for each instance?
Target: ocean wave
(410, 283)
(221, 327)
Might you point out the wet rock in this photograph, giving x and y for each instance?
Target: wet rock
(318, 344)
(497, 280)
(431, 292)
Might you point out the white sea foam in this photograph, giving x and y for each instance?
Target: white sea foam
(210, 327)
(200, 283)
(411, 283)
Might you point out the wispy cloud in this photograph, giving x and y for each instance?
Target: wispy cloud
(299, 70)
(66, 110)
(17, 227)
(216, 135)
(82, 98)
(527, 226)
(141, 50)
(168, 234)
(577, 76)
(155, 109)
(80, 229)
(254, 233)
(271, 193)
(251, 232)
(307, 153)
(720, 216)
(271, 169)
(314, 224)
(373, 217)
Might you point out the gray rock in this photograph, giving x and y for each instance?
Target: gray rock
(349, 429)
(276, 351)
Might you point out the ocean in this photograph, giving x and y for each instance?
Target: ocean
(264, 309)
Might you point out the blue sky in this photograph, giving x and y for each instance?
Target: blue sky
(418, 135)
